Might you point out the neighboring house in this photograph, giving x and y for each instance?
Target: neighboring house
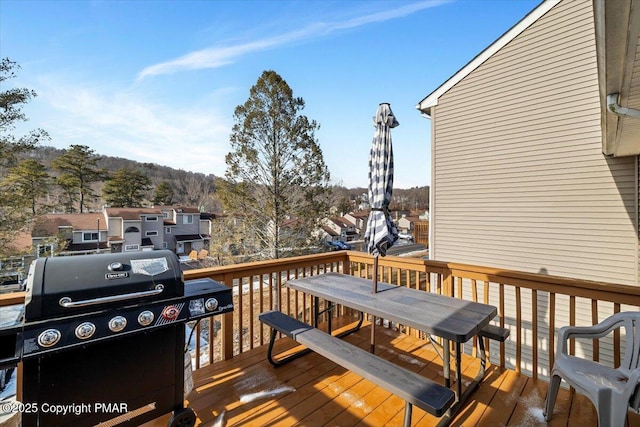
(342, 226)
(529, 169)
(180, 229)
(69, 234)
(359, 219)
(328, 234)
(183, 228)
(406, 224)
(135, 229)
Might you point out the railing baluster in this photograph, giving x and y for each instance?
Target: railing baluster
(616, 339)
(572, 322)
(501, 315)
(534, 331)
(552, 329)
(518, 330)
(252, 318)
(594, 319)
(196, 335)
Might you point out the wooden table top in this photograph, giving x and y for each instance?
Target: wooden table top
(450, 318)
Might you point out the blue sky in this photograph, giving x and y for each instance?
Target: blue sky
(157, 81)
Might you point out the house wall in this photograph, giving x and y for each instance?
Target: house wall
(169, 238)
(115, 227)
(152, 227)
(182, 228)
(131, 239)
(519, 179)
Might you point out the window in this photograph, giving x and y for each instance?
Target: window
(45, 250)
(151, 233)
(167, 230)
(164, 245)
(187, 219)
(151, 218)
(90, 236)
(132, 230)
(165, 214)
(131, 247)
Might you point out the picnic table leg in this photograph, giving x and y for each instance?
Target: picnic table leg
(407, 415)
(316, 311)
(461, 398)
(446, 357)
(459, 369)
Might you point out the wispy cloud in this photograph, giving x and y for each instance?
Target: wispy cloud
(219, 56)
(127, 125)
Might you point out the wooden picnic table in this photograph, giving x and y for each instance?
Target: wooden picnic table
(454, 320)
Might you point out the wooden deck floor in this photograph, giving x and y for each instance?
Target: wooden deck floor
(313, 391)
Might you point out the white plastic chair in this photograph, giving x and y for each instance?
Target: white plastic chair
(612, 391)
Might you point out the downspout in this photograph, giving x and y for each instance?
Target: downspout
(612, 106)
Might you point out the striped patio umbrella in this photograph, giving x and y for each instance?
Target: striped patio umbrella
(381, 233)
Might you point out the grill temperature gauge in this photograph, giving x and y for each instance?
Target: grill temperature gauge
(49, 338)
(85, 330)
(117, 324)
(145, 318)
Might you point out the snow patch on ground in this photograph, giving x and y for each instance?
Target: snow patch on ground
(356, 402)
(220, 421)
(268, 394)
(411, 360)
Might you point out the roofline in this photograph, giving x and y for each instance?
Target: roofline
(431, 100)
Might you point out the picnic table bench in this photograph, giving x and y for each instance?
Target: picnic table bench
(414, 389)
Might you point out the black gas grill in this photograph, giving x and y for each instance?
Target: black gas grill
(103, 338)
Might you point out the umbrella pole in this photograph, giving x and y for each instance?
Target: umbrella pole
(373, 319)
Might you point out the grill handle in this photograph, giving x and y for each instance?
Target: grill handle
(67, 303)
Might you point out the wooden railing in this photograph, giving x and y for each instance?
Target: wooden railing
(530, 349)
(532, 306)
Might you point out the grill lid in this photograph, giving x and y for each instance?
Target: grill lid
(65, 286)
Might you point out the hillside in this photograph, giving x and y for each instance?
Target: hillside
(198, 189)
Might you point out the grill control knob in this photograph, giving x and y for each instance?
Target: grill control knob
(145, 318)
(118, 323)
(211, 304)
(85, 330)
(49, 338)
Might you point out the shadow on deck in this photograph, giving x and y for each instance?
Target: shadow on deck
(313, 391)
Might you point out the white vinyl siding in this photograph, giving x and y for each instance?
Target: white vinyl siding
(519, 178)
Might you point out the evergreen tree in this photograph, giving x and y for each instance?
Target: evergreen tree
(163, 195)
(126, 188)
(78, 168)
(13, 215)
(276, 170)
(30, 181)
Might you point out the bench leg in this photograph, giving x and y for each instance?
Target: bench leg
(287, 359)
(284, 360)
(407, 415)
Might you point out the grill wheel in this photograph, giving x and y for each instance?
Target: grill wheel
(185, 417)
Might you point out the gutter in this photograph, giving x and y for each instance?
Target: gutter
(615, 108)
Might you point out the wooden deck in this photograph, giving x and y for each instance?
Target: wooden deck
(313, 391)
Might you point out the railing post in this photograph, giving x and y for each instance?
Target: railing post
(226, 325)
(346, 265)
(447, 276)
